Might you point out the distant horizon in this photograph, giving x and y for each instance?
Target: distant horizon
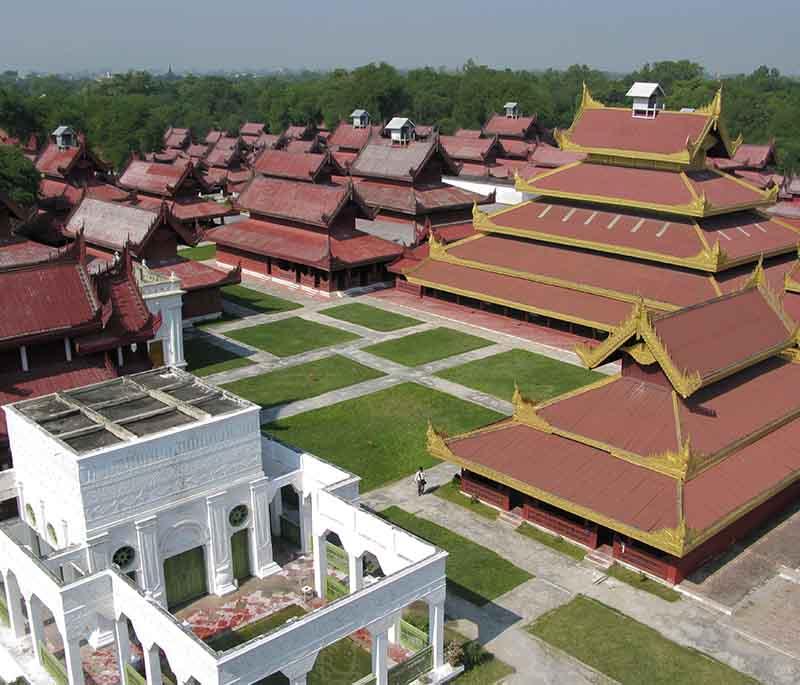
(731, 38)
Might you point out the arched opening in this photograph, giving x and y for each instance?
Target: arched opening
(338, 567)
(373, 571)
(238, 518)
(285, 513)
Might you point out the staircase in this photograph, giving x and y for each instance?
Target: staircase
(602, 557)
(511, 518)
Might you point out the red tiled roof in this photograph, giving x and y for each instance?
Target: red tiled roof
(111, 224)
(48, 298)
(152, 177)
(400, 162)
(299, 166)
(747, 156)
(507, 127)
(308, 203)
(53, 161)
(572, 471)
(213, 136)
(303, 146)
(469, 149)
(106, 191)
(654, 282)
(622, 185)
(177, 137)
(548, 300)
(252, 128)
(195, 275)
(197, 150)
(724, 333)
(353, 139)
(344, 159)
(39, 381)
(469, 133)
(544, 155)
(518, 149)
(299, 132)
(410, 200)
(224, 152)
(59, 191)
(614, 128)
(346, 246)
(18, 251)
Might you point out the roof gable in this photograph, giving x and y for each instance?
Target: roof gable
(704, 343)
(401, 162)
(299, 166)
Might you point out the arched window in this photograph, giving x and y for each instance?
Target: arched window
(238, 515)
(31, 515)
(51, 534)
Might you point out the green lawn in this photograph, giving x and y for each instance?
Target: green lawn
(302, 381)
(256, 300)
(291, 336)
(626, 650)
(642, 582)
(381, 437)
(473, 571)
(200, 253)
(538, 377)
(452, 493)
(427, 346)
(487, 672)
(555, 542)
(233, 638)
(204, 358)
(225, 317)
(342, 663)
(370, 317)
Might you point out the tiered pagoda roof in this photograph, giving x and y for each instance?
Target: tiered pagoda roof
(642, 214)
(699, 428)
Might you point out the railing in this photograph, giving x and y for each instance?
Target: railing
(337, 558)
(53, 666)
(585, 534)
(486, 493)
(412, 668)
(335, 588)
(366, 680)
(645, 561)
(133, 677)
(412, 637)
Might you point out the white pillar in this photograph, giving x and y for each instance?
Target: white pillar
(394, 629)
(305, 522)
(16, 618)
(123, 641)
(436, 632)
(23, 357)
(151, 563)
(320, 565)
(261, 559)
(67, 349)
(380, 657)
(152, 665)
(275, 511)
(177, 336)
(355, 572)
(297, 673)
(120, 357)
(72, 657)
(223, 581)
(36, 624)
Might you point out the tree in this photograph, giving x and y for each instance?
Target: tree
(18, 177)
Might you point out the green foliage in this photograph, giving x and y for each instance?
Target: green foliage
(129, 112)
(18, 177)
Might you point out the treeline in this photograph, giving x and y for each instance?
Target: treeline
(129, 112)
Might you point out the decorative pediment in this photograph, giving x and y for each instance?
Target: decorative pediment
(525, 412)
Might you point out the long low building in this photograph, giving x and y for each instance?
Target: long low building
(689, 449)
(130, 519)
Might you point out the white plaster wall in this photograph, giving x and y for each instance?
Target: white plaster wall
(136, 479)
(47, 473)
(167, 300)
(505, 194)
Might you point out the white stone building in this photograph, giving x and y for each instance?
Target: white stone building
(142, 493)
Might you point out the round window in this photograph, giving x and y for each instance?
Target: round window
(238, 515)
(123, 557)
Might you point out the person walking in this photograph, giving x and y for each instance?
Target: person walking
(419, 479)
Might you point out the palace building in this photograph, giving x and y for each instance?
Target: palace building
(668, 463)
(152, 239)
(143, 496)
(303, 233)
(642, 216)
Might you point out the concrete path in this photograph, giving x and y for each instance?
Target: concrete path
(558, 578)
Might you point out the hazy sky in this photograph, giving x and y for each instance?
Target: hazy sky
(732, 36)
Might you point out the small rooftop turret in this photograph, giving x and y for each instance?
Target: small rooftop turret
(360, 118)
(401, 130)
(64, 137)
(512, 110)
(647, 99)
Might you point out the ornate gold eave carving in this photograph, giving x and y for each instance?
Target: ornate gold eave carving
(591, 356)
(525, 412)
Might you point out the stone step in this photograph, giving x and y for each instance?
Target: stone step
(600, 558)
(510, 519)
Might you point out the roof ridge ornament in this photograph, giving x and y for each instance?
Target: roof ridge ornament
(436, 442)
(714, 107)
(436, 249)
(525, 412)
(587, 101)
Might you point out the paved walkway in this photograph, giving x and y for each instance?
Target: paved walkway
(558, 578)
